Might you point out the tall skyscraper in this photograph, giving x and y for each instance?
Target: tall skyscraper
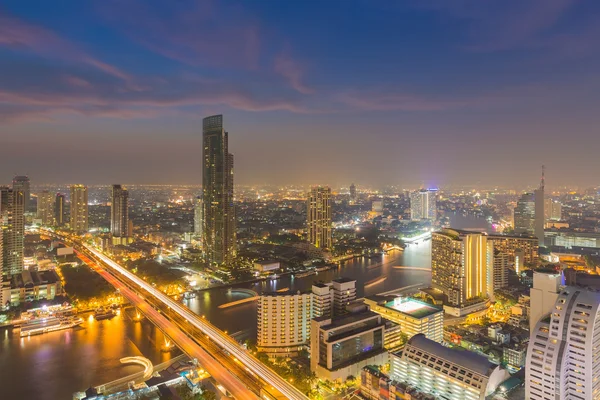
(217, 186)
(59, 209)
(529, 214)
(423, 205)
(459, 265)
(563, 361)
(13, 230)
(119, 212)
(352, 193)
(79, 208)
(198, 209)
(318, 215)
(23, 184)
(538, 226)
(45, 207)
(524, 214)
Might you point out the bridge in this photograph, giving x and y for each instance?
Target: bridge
(227, 361)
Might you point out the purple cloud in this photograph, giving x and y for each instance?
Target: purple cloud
(198, 33)
(292, 71)
(19, 35)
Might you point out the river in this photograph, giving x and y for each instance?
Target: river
(55, 365)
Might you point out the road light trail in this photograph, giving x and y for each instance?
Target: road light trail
(216, 335)
(212, 366)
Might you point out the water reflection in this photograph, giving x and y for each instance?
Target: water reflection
(54, 365)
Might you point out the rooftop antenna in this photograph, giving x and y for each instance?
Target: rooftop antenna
(543, 181)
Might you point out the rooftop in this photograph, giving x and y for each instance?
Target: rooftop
(344, 280)
(464, 358)
(412, 307)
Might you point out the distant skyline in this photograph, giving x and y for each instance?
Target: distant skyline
(375, 92)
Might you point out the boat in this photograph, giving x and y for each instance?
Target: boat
(375, 281)
(51, 324)
(323, 268)
(103, 313)
(306, 273)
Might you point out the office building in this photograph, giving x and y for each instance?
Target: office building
(318, 221)
(412, 315)
(377, 207)
(552, 210)
(198, 209)
(570, 239)
(352, 194)
(459, 268)
(444, 372)
(45, 208)
(543, 294)
(423, 205)
(12, 223)
(119, 215)
(22, 183)
(563, 361)
(322, 299)
(283, 323)
(344, 292)
(219, 234)
(524, 214)
(342, 346)
(79, 209)
(59, 209)
(522, 248)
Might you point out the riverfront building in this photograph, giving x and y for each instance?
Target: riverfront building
(283, 323)
(218, 233)
(318, 217)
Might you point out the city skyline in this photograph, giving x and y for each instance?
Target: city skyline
(413, 103)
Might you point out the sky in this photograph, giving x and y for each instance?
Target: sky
(376, 92)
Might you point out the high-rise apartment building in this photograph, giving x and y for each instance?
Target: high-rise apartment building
(423, 205)
(496, 269)
(119, 215)
(459, 265)
(22, 183)
(198, 209)
(79, 208)
(318, 217)
(344, 292)
(283, 323)
(45, 207)
(12, 222)
(552, 210)
(563, 361)
(219, 234)
(59, 209)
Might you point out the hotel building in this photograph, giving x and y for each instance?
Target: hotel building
(413, 316)
(283, 323)
(443, 372)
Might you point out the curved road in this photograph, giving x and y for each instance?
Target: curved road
(187, 345)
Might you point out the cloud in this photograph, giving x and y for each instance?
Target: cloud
(198, 33)
(41, 91)
(292, 71)
(390, 101)
(19, 35)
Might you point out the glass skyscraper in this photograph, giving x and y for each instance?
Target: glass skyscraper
(217, 187)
